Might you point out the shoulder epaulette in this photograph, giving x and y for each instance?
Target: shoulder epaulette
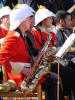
(34, 28)
(17, 34)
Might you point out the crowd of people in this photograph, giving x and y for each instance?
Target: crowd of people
(24, 32)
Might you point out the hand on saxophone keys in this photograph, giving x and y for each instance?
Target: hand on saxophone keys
(28, 72)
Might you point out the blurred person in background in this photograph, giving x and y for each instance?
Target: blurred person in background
(4, 27)
(4, 21)
(72, 11)
(63, 24)
(63, 27)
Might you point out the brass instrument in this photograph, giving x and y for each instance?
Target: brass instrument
(51, 58)
(10, 85)
(29, 84)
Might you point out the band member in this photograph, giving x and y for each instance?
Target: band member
(17, 20)
(4, 26)
(4, 21)
(43, 26)
(63, 24)
(66, 73)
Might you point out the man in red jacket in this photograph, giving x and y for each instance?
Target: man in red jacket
(43, 27)
(14, 54)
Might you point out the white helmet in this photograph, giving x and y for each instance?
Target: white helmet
(18, 14)
(42, 14)
(5, 11)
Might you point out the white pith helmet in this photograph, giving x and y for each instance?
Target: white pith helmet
(42, 14)
(5, 11)
(18, 14)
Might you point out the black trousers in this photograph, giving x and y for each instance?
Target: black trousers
(50, 87)
(67, 75)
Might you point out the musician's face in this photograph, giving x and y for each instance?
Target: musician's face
(27, 24)
(5, 21)
(47, 23)
(68, 22)
(73, 21)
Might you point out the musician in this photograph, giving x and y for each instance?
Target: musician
(4, 25)
(65, 72)
(12, 51)
(39, 31)
(4, 21)
(63, 26)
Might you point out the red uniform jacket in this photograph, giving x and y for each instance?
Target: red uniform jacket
(37, 36)
(14, 49)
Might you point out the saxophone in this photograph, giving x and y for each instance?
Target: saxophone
(30, 84)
